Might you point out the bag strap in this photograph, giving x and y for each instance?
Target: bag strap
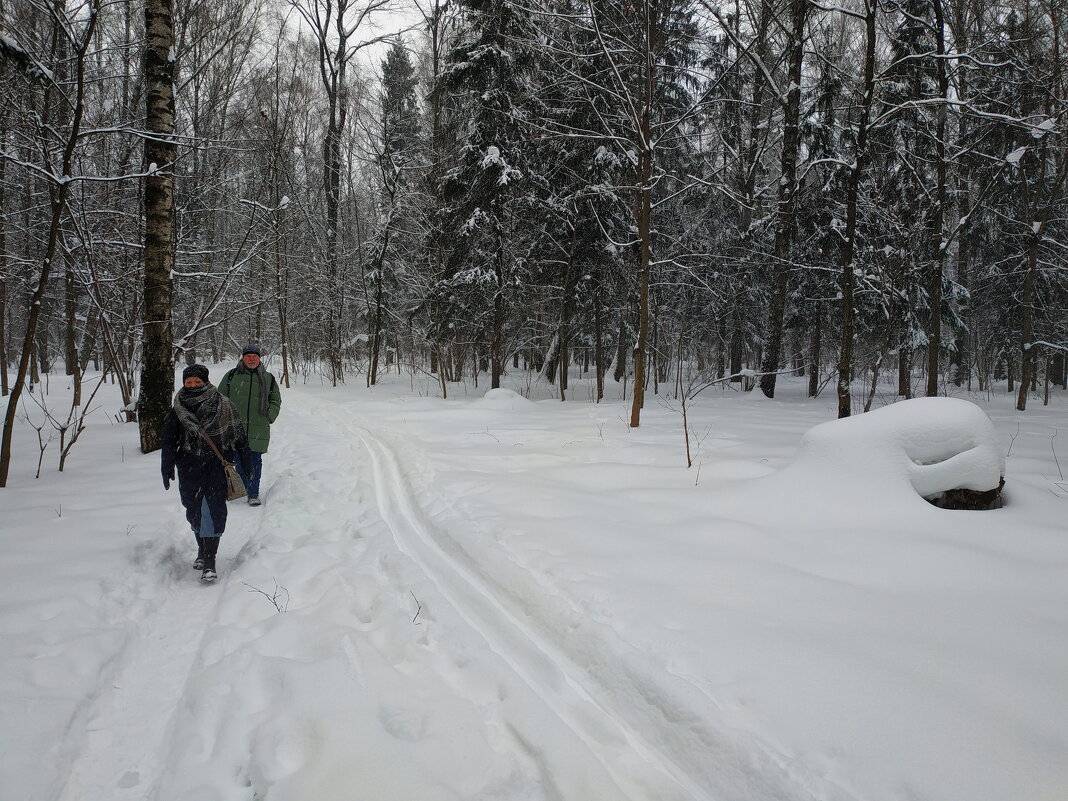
(204, 434)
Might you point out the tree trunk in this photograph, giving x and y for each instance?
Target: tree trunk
(845, 360)
(157, 370)
(376, 333)
(621, 349)
(281, 271)
(1057, 368)
(565, 313)
(334, 79)
(655, 351)
(737, 351)
(645, 225)
(904, 372)
(70, 308)
(598, 335)
(963, 355)
(721, 347)
(497, 345)
(962, 358)
(938, 244)
(815, 355)
(4, 388)
(42, 342)
(1027, 345)
(786, 203)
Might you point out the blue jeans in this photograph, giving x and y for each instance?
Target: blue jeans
(207, 524)
(252, 477)
(203, 491)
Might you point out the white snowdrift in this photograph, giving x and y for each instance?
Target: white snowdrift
(502, 398)
(933, 444)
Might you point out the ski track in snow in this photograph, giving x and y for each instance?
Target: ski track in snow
(536, 661)
(651, 740)
(122, 751)
(642, 729)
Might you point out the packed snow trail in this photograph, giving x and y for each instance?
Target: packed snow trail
(122, 746)
(212, 700)
(558, 683)
(656, 734)
(348, 689)
(127, 721)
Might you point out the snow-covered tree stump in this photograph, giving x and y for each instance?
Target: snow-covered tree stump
(943, 449)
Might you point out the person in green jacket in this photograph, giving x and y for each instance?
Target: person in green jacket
(254, 392)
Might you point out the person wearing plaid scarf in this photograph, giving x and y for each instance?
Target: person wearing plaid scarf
(200, 411)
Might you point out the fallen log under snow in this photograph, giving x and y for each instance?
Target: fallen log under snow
(946, 449)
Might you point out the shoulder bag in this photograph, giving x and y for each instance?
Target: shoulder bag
(235, 487)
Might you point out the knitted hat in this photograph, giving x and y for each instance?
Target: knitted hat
(251, 347)
(195, 371)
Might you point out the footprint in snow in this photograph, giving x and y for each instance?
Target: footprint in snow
(404, 723)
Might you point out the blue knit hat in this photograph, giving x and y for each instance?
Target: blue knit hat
(251, 347)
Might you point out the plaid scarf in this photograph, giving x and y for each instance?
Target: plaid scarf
(204, 408)
(261, 374)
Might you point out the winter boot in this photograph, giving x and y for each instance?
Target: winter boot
(198, 563)
(211, 548)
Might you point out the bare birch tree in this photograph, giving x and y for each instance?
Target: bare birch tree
(157, 348)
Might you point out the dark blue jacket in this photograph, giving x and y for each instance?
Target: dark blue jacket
(191, 462)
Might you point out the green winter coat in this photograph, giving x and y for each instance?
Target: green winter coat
(243, 390)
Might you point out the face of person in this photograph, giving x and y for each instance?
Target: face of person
(251, 360)
(193, 382)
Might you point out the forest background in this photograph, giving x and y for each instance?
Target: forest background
(673, 192)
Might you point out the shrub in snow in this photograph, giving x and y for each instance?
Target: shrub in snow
(944, 449)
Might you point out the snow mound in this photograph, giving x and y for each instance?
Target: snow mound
(505, 399)
(933, 444)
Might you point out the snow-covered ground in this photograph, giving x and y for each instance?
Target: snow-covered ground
(493, 597)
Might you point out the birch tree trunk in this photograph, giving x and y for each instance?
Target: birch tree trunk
(157, 346)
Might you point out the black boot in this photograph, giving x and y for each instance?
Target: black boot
(211, 547)
(198, 564)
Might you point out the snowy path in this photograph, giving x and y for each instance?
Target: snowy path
(205, 695)
(380, 683)
(560, 684)
(562, 705)
(128, 720)
(657, 734)
(123, 744)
